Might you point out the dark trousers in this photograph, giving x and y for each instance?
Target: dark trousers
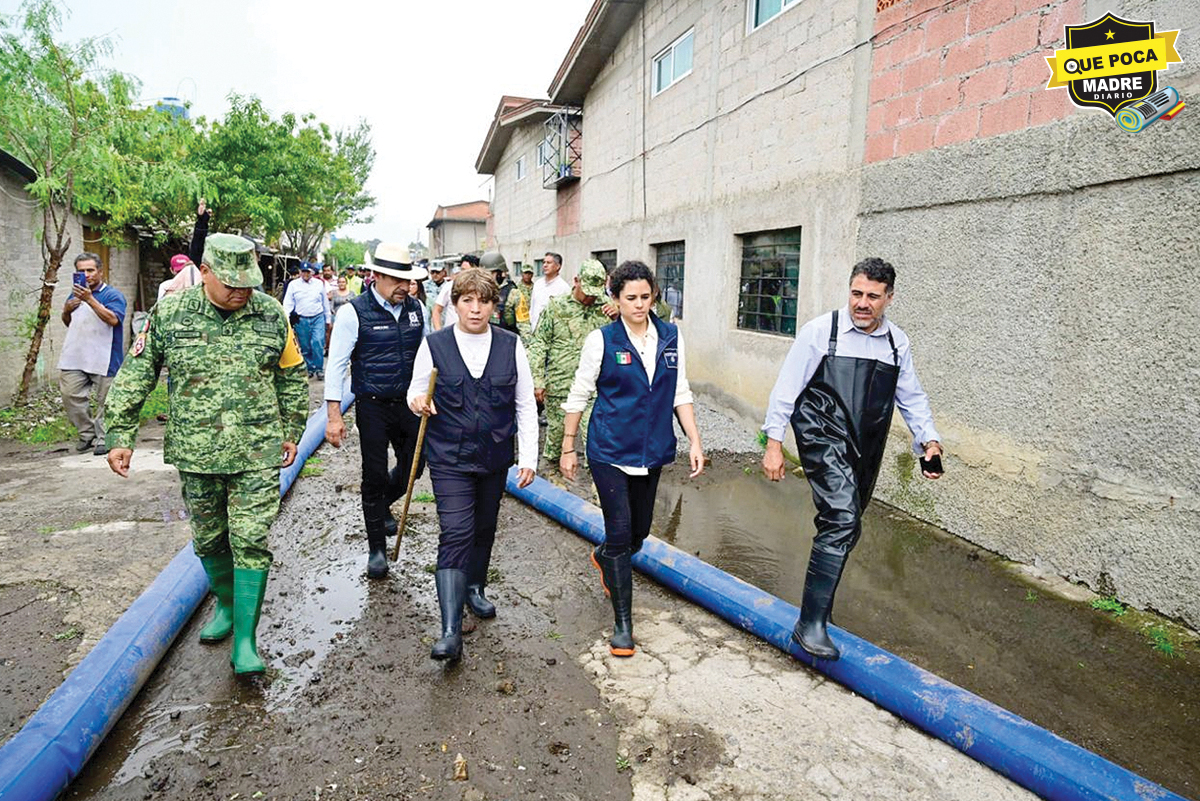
(380, 424)
(628, 505)
(468, 505)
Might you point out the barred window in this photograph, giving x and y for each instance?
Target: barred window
(668, 271)
(606, 257)
(770, 281)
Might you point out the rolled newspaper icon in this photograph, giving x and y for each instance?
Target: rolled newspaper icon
(1136, 117)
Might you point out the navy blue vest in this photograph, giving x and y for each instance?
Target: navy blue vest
(476, 418)
(382, 361)
(631, 419)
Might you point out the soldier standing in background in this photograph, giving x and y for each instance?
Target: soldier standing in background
(238, 402)
(516, 312)
(555, 346)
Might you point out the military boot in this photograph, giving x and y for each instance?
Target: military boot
(820, 584)
(219, 569)
(477, 568)
(249, 587)
(618, 578)
(451, 588)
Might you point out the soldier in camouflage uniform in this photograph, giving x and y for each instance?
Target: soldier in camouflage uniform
(554, 351)
(516, 312)
(239, 398)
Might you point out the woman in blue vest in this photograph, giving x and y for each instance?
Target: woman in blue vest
(483, 396)
(636, 368)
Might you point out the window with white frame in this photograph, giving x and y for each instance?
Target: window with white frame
(543, 153)
(674, 62)
(520, 168)
(763, 11)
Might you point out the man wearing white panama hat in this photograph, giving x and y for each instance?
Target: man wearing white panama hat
(377, 335)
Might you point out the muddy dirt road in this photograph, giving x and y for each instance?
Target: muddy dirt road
(354, 708)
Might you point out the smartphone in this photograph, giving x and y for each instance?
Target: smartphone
(79, 278)
(933, 465)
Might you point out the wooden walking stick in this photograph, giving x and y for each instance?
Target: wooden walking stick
(412, 473)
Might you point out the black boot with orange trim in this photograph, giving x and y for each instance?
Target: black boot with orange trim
(617, 572)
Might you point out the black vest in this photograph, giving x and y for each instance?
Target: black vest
(382, 362)
(476, 418)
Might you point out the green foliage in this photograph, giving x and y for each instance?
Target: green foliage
(1031, 596)
(156, 403)
(346, 252)
(312, 468)
(623, 763)
(49, 430)
(70, 634)
(1162, 641)
(424, 497)
(1109, 604)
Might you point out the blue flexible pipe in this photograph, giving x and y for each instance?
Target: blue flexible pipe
(1027, 754)
(40, 760)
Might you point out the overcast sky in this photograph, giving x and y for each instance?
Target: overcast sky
(426, 76)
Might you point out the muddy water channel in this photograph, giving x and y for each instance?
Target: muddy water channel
(959, 612)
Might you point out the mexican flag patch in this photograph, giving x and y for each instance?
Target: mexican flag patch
(624, 357)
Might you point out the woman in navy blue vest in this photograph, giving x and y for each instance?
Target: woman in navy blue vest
(636, 368)
(483, 396)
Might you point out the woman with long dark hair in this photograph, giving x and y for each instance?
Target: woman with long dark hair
(635, 366)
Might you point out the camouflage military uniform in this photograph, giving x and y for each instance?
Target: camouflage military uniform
(516, 312)
(554, 353)
(237, 395)
(233, 404)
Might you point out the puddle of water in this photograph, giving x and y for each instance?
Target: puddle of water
(956, 611)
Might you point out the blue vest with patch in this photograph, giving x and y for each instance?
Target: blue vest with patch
(631, 419)
(382, 361)
(476, 418)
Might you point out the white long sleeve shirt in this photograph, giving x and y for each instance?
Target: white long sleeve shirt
(307, 299)
(812, 345)
(584, 384)
(475, 349)
(342, 342)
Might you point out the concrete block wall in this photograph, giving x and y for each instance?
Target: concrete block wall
(948, 74)
(1049, 329)
(20, 285)
(523, 212)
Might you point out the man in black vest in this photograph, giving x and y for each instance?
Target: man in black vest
(377, 335)
(484, 395)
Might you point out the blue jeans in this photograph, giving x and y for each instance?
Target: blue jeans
(310, 331)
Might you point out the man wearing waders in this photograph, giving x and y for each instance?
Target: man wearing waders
(842, 378)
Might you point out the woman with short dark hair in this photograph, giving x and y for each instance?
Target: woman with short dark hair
(483, 396)
(635, 366)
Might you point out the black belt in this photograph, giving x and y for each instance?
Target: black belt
(381, 399)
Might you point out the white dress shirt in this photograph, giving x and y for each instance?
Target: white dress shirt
(475, 349)
(449, 313)
(540, 296)
(812, 345)
(307, 299)
(584, 384)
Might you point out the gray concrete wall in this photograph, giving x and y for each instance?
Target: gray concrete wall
(1047, 278)
(20, 284)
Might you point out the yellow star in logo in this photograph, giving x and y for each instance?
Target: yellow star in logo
(1108, 34)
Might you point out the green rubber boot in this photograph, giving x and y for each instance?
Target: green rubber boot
(220, 581)
(249, 586)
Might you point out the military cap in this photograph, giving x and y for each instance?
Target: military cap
(231, 259)
(526, 268)
(592, 278)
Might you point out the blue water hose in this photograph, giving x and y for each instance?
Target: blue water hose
(52, 747)
(1026, 753)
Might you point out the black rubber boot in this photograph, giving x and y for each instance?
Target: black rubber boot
(618, 578)
(377, 562)
(824, 573)
(477, 602)
(451, 588)
(390, 526)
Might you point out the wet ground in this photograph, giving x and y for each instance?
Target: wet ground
(959, 612)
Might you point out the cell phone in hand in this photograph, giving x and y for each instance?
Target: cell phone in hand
(933, 465)
(79, 278)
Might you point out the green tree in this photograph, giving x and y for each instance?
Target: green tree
(345, 252)
(64, 114)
